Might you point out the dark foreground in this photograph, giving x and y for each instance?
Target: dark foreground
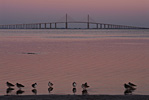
(76, 97)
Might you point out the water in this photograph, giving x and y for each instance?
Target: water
(106, 59)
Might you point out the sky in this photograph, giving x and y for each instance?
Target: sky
(123, 12)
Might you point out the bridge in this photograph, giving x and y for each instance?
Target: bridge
(66, 25)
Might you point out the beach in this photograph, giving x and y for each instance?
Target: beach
(76, 97)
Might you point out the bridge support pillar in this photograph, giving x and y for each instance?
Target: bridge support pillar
(55, 25)
(100, 26)
(39, 26)
(50, 25)
(45, 25)
(97, 26)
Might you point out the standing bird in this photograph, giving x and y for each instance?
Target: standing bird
(84, 86)
(34, 85)
(19, 85)
(127, 86)
(50, 84)
(131, 84)
(74, 84)
(9, 84)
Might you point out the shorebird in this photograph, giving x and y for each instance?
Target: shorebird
(9, 90)
(9, 84)
(34, 91)
(50, 89)
(131, 84)
(84, 86)
(74, 84)
(50, 84)
(34, 85)
(19, 85)
(19, 92)
(129, 87)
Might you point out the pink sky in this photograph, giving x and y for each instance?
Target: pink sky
(131, 12)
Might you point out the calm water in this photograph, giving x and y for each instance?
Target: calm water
(106, 59)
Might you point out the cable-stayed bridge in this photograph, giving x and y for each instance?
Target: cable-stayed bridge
(88, 24)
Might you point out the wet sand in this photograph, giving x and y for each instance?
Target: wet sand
(76, 97)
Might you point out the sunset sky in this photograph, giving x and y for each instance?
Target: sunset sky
(127, 12)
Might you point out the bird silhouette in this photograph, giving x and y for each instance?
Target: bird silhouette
(34, 85)
(34, 91)
(131, 84)
(9, 84)
(127, 86)
(50, 84)
(19, 85)
(19, 92)
(84, 86)
(74, 84)
(9, 90)
(50, 89)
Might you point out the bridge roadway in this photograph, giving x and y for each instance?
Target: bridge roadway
(53, 25)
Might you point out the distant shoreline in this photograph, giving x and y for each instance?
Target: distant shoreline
(75, 97)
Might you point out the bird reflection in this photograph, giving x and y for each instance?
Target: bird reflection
(129, 88)
(74, 90)
(9, 90)
(34, 91)
(50, 89)
(19, 92)
(84, 92)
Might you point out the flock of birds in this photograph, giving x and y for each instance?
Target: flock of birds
(129, 88)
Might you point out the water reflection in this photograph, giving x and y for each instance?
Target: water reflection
(19, 92)
(34, 91)
(9, 90)
(84, 92)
